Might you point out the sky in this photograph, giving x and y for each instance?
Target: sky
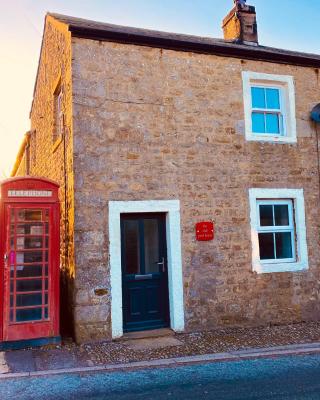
(288, 24)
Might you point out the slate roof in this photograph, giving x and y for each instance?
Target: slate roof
(84, 28)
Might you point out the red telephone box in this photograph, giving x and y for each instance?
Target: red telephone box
(29, 262)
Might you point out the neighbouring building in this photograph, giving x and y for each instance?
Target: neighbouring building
(149, 133)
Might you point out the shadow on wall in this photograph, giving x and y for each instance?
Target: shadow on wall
(66, 304)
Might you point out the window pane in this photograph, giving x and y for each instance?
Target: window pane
(266, 245)
(29, 243)
(258, 97)
(281, 215)
(29, 286)
(29, 257)
(132, 243)
(151, 246)
(273, 98)
(33, 314)
(24, 271)
(29, 229)
(258, 123)
(284, 245)
(29, 215)
(272, 123)
(25, 300)
(266, 215)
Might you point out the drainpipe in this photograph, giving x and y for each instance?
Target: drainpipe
(315, 116)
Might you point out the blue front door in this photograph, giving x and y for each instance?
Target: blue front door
(144, 272)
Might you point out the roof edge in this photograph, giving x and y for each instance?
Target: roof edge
(88, 29)
(227, 49)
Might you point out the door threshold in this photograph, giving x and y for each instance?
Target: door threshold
(155, 333)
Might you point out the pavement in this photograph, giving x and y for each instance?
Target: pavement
(163, 349)
(289, 377)
(23, 364)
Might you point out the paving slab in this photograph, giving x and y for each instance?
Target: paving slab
(21, 361)
(4, 367)
(56, 359)
(153, 343)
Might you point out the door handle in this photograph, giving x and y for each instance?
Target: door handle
(5, 258)
(162, 265)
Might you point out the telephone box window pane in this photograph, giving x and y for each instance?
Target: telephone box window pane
(47, 228)
(266, 215)
(29, 243)
(28, 271)
(11, 286)
(33, 314)
(46, 314)
(46, 215)
(11, 301)
(258, 123)
(132, 243)
(29, 285)
(273, 99)
(258, 97)
(284, 245)
(47, 243)
(26, 300)
(12, 244)
(30, 229)
(11, 315)
(272, 123)
(12, 215)
(29, 257)
(46, 284)
(266, 245)
(46, 298)
(30, 215)
(281, 215)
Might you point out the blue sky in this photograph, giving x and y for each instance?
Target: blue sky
(289, 24)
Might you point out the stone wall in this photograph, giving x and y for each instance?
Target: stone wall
(160, 124)
(54, 158)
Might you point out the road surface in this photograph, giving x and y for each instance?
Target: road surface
(287, 378)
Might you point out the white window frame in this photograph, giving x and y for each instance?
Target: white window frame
(273, 196)
(285, 84)
(275, 229)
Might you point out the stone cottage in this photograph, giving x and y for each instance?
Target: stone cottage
(151, 133)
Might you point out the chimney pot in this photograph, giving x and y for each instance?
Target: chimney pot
(240, 25)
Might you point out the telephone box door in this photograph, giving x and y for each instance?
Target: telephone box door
(30, 276)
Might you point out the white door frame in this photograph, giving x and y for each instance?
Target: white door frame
(175, 276)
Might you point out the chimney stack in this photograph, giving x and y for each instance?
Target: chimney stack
(240, 25)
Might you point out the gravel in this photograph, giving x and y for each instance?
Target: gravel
(217, 341)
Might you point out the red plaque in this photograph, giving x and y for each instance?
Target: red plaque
(204, 231)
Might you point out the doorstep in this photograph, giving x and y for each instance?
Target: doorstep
(155, 333)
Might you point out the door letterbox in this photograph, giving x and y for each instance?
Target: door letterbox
(29, 262)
